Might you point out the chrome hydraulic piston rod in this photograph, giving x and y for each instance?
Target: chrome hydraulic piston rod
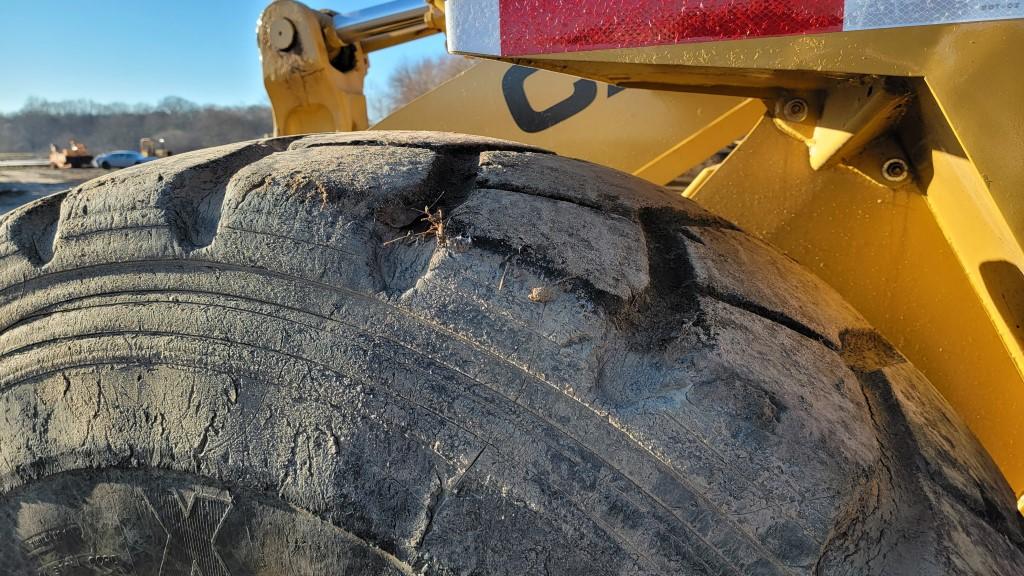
(386, 24)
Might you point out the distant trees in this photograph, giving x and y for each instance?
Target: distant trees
(184, 125)
(412, 79)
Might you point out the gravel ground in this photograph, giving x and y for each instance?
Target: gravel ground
(23, 184)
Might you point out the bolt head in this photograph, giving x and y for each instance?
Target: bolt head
(896, 170)
(282, 34)
(795, 110)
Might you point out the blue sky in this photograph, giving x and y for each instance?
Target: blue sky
(142, 51)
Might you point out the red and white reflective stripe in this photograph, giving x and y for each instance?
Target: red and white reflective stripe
(519, 27)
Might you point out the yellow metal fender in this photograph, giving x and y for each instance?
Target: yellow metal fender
(655, 134)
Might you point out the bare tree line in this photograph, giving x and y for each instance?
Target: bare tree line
(184, 125)
(412, 79)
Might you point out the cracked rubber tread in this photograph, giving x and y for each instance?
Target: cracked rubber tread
(261, 359)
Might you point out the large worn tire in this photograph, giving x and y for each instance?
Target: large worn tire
(265, 358)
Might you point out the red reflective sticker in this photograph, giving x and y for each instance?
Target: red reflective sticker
(546, 26)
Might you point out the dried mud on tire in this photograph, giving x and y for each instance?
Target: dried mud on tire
(406, 353)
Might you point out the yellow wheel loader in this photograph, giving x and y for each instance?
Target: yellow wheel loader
(484, 338)
(151, 148)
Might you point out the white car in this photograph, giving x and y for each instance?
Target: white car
(120, 159)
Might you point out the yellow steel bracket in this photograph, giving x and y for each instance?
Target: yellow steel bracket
(838, 124)
(314, 80)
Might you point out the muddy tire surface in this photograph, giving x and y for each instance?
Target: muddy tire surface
(411, 353)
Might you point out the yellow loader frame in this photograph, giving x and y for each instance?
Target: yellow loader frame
(889, 162)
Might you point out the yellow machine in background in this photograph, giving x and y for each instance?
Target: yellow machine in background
(151, 148)
(863, 156)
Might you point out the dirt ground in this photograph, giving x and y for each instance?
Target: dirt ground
(22, 184)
